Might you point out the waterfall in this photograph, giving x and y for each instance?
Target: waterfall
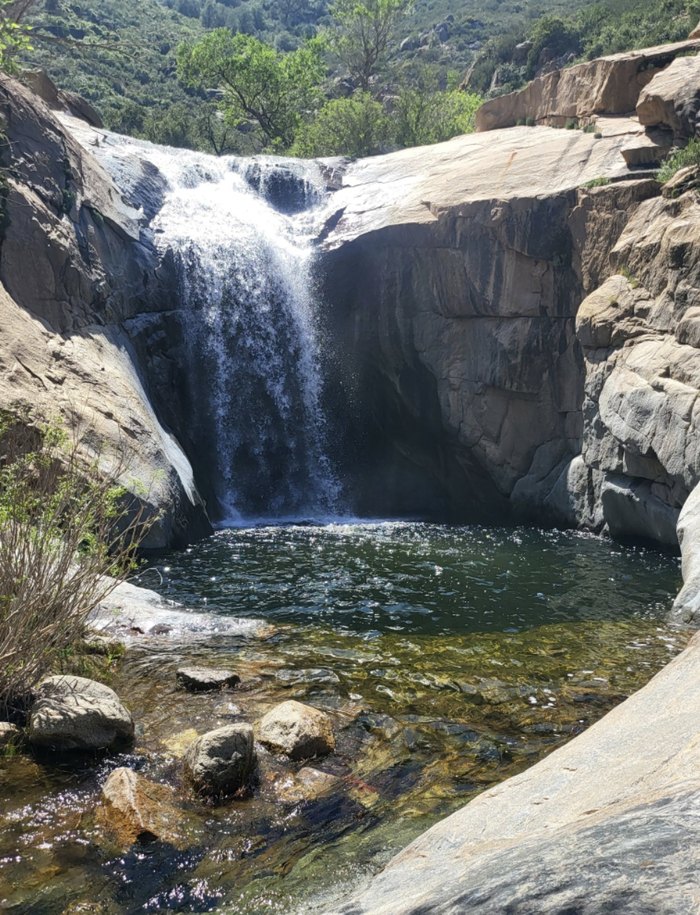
(247, 294)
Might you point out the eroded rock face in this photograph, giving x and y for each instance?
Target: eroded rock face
(672, 99)
(605, 86)
(222, 761)
(453, 279)
(639, 336)
(75, 713)
(65, 353)
(297, 730)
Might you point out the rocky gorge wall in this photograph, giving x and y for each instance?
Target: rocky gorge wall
(508, 317)
(73, 271)
(517, 313)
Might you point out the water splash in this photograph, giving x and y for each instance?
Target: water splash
(241, 235)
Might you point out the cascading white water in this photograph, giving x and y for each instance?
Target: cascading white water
(246, 286)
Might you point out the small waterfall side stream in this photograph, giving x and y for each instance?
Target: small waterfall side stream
(247, 300)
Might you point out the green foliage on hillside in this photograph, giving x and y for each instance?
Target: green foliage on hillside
(118, 54)
(681, 158)
(507, 61)
(121, 55)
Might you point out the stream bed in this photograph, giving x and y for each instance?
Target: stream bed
(449, 659)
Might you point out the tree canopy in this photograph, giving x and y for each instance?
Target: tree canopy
(360, 34)
(259, 84)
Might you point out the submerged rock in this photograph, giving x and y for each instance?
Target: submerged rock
(297, 730)
(204, 679)
(74, 713)
(221, 761)
(135, 809)
(306, 785)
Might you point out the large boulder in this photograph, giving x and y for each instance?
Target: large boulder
(297, 730)
(135, 809)
(74, 713)
(222, 761)
(672, 99)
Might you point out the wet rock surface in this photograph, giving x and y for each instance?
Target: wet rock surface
(74, 713)
(135, 809)
(205, 679)
(9, 734)
(222, 761)
(297, 730)
(600, 825)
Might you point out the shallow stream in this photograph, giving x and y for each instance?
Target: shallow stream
(449, 658)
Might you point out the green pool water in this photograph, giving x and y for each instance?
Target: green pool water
(449, 658)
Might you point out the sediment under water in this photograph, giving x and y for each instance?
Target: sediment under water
(450, 658)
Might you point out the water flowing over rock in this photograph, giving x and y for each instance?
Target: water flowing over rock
(234, 365)
(297, 730)
(135, 809)
(65, 352)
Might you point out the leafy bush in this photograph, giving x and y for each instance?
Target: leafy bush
(679, 159)
(431, 117)
(356, 126)
(64, 527)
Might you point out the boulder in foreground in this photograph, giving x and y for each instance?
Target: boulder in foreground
(297, 730)
(222, 761)
(74, 713)
(135, 809)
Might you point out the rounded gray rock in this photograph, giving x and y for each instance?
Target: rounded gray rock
(204, 679)
(221, 761)
(297, 730)
(74, 713)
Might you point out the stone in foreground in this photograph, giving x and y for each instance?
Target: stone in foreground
(205, 679)
(221, 761)
(74, 713)
(135, 809)
(8, 734)
(297, 730)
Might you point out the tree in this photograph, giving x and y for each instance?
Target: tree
(356, 126)
(258, 83)
(361, 33)
(430, 117)
(14, 35)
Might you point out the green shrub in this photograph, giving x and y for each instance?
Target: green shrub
(356, 126)
(67, 536)
(679, 159)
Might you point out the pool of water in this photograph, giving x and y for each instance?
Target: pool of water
(449, 658)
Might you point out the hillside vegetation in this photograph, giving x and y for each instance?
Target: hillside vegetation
(121, 56)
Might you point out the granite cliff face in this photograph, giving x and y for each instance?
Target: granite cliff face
(509, 317)
(73, 270)
(517, 311)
